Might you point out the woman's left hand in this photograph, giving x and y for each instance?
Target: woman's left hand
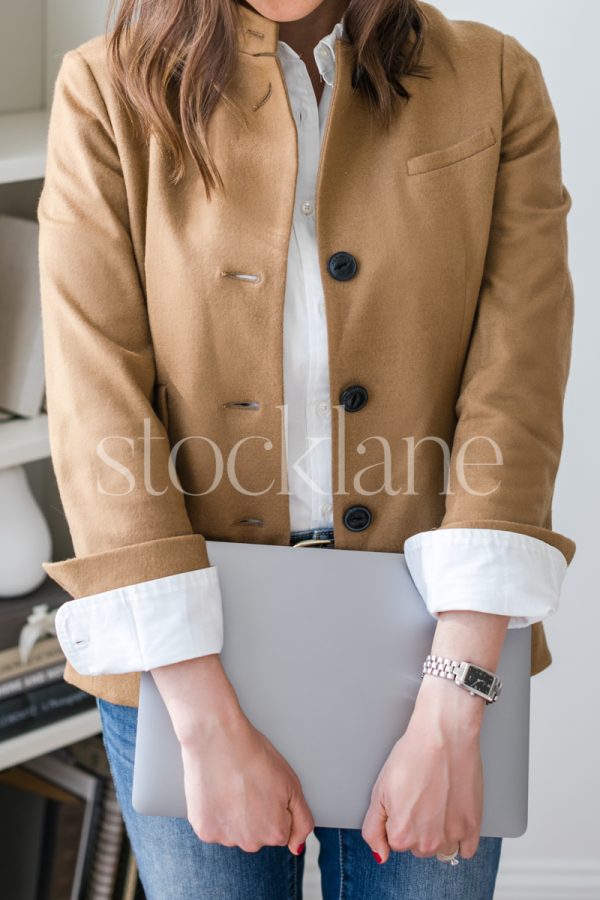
(428, 796)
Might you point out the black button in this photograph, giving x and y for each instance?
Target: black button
(357, 518)
(342, 266)
(354, 397)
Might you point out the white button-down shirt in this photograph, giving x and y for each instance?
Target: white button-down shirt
(305, 354)
(142, 626)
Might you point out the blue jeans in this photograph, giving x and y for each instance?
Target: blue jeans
(174, 864)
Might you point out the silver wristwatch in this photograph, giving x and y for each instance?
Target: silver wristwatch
(477, 681)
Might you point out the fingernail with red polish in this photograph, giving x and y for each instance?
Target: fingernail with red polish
(377, 856)
(300, 848)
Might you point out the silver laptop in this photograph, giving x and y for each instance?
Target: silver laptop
(325, 648)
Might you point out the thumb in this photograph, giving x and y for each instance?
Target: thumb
(373, 831)
(302, 822)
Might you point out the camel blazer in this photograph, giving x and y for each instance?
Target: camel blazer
(457, 318)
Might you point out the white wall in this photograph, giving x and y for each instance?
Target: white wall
(34, 34)
(559, 856)
(21, 55)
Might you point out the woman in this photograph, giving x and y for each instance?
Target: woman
(353, 214)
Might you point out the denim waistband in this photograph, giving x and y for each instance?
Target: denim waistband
(311, 534)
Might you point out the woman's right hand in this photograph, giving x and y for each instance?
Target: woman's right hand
(239, 789)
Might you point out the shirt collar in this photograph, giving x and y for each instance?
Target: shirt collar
(324, 52)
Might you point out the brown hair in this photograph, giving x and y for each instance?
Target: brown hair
(170, 62)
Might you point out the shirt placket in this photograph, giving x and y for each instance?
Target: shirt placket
(306, 362)
(317, 404)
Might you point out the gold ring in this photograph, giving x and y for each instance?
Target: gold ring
(451, 857)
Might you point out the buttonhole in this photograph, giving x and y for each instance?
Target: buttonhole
(242, 404)
(249, 522)
(242, 276)
(80, 642)
(263, 100)
(258, 34)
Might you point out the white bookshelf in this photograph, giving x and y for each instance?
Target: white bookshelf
(23, 441)
(34, 35)
(49, 737)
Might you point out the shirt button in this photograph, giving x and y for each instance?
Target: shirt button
(322, 308)
(326, 510)
(322, 408)
(307, 207)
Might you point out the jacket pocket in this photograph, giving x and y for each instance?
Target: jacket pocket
(160, 403)
(438, 159)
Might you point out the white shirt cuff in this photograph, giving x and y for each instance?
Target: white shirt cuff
(486, 570)
(142, 626)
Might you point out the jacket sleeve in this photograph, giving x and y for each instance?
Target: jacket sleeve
(495, 549)
(144, 593)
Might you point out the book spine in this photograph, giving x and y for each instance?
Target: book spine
(108, 848)
(42, 706)
(31, 680)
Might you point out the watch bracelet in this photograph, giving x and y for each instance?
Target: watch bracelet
(441, 665)
(444, 667)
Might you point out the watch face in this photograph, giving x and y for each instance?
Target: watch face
(478, 679)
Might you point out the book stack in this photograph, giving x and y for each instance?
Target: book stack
(113, 871)
(34, 693)
(62, 836)
(61, 832)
